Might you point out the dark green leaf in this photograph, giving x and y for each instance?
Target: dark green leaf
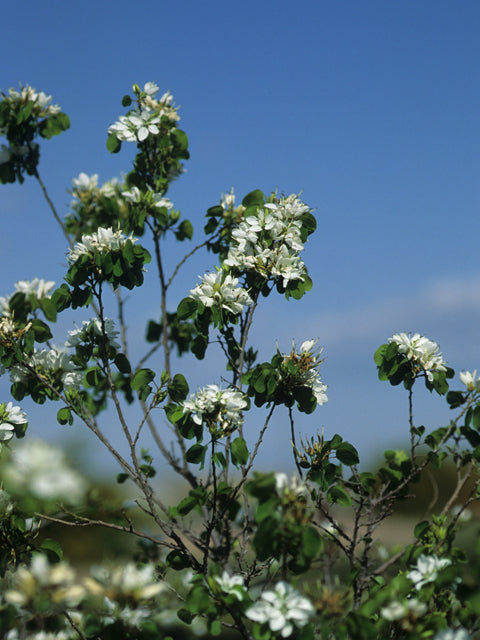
(239, 451)
(187, 308)
(178, 389)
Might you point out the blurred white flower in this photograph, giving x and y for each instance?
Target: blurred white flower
(451, 634)
(85, 182)
(397, 610)
(127, 582)
(40, 469)
(286, 486)
(233, 585)
(38, 287)
(57, 582)
(283, 609)
(423, 353)
(427, 570)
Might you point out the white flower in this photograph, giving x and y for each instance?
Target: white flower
(219, 409)
(470, 380)
(38, 288)
(221, 291)
(451, 634)
(9, 417)
(136, 126)
(90, 330)
(41, 469)
(85, 183)
(397, 610)
(103, 240)
(151, 89)
(283, 609)
(285, 486)
(233, 585)
(427, 570)
(423, 353)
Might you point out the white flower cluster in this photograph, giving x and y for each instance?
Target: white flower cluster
(423, 353)
(135, 196)
(103, 240)
(220, 290)
(126, 582)
(285, 486)
(41, 103)
(398, 610)
(139, 123)
(38, 288)
(58, 580)
(427, 570)
(470, 380)
(283, 609)
(270, 241)
(220, 409)
(53, 362)
(40, 469)
(309, 362)
(90, 330)
(9, 417)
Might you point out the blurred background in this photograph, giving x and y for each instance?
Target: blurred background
(370, 109)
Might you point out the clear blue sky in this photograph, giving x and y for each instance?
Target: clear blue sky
(371, 108)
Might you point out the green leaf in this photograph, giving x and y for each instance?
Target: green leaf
(178, 389)
(196, 453)
(126, 101)
(53, 549)
(65, 416)
(476, 417)
(122, 363)
(49, 308)
(337, 494)
(141, 378)
(239, 451)
(122, 477)
(41, 330)
(347, 454)
(254, 198)
(177, 560)
(187, 308)
(113, 143)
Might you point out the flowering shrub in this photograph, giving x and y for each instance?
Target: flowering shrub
(260, 555)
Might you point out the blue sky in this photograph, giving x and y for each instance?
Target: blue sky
(371, 108)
